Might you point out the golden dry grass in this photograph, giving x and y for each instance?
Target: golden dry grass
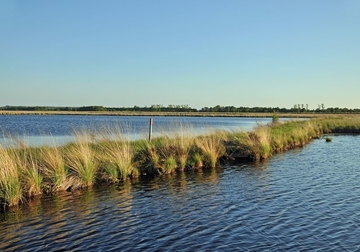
(11, 190)
(81, 159)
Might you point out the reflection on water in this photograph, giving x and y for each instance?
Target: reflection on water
(305, 199)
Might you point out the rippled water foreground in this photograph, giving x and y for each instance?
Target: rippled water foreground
(305, 199)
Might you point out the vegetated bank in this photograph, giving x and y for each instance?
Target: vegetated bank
(163, 113)
(26, 172)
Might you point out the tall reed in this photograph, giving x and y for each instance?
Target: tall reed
(255, 145)
(116, 152)
(56, 173)
(30, 174)
(80, 157)
(167, 153)
(212, 147)
(11, 190)
(117, 156)
(147, 156)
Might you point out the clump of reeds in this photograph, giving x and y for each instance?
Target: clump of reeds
(11, 190)
(168, 153)
(147, 156)
(81, 159)
(266, 140)
(211, 147)
(30, 174)
(156, 156)
(178, 145)
(256, 145)
(117, 156)
(56, 173)
(196, 160)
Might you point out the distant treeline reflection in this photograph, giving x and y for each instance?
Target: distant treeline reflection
(185, 108)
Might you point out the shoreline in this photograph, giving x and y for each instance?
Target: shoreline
(26, 172)
(185, 114)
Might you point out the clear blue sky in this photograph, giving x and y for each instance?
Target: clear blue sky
(119, 53)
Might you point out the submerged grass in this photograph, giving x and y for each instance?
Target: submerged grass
(26, 172)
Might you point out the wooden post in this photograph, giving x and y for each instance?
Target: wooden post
(150, 129)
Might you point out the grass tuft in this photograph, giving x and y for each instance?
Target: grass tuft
(212, 147)
(80, 157)
(11, 191)
(56, 173)
(31, 177)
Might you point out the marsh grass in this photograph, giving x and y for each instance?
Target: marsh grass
(196, 160)
(349, 124)
(255, 145)
(56, 173)
(179, 145)
(26, 172)
(267, 140)
(211, 147)
(81, 159)
(31, 177)
(11, 191)
(167, 153)
(117, 155)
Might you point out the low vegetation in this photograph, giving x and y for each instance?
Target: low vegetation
(26, 172)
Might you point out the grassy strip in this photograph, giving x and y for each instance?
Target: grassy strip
(164, 113)
(26, 172)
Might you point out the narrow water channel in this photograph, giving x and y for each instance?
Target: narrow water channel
(303, 200)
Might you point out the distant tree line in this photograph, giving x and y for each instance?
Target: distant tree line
(297, 108)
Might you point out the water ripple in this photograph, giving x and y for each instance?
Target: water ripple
(306, 199)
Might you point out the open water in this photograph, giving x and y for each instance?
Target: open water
(38, 130)
(307, 199)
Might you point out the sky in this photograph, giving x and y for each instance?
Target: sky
(200, 53)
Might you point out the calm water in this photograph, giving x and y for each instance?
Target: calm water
(54, 129)
(304, 200)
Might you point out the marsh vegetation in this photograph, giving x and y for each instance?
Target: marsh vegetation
(26, 172)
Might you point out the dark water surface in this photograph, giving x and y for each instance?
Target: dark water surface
(304, 200)
(58, 129)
